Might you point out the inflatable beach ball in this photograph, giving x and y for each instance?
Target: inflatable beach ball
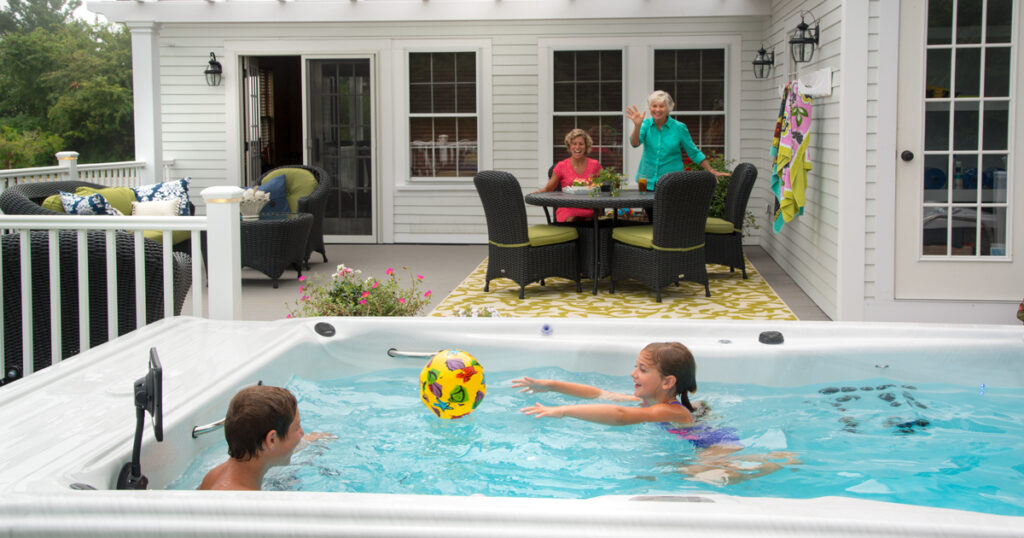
(452, 384)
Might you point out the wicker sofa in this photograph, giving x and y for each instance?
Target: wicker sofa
(40, 290)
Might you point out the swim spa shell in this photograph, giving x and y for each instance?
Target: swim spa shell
(702, 435)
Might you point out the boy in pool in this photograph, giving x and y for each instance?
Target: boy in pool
(663, 371)
(262, 429)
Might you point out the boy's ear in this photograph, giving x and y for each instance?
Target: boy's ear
(270, 439)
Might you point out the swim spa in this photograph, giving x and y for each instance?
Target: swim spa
(73, 424)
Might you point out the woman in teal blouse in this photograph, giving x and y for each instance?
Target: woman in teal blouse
(664, 140)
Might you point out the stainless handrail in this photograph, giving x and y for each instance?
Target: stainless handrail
(392, 352)
(207, 428)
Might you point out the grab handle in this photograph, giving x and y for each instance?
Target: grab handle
(392, 352)
(207, 428)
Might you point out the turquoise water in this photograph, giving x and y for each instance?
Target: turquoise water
(932, 444)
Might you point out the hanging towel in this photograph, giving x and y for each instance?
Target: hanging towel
(789, 152)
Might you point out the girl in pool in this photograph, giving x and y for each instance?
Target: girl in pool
(663, 372)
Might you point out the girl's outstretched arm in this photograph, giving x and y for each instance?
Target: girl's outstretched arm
(611, 414)
(579, 390)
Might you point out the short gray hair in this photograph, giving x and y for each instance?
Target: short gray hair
(662, 96)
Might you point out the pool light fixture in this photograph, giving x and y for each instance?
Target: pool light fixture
(763, 63)
(803, 40)
(213, 71)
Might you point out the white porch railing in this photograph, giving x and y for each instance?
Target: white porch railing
(117, 174)
(224, 267)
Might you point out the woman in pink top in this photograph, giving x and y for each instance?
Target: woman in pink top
(577, 166)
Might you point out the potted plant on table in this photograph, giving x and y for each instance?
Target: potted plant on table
(609, 180)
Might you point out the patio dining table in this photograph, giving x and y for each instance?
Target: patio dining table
(597, 202)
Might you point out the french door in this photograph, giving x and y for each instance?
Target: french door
(340, 140)
(959, 195)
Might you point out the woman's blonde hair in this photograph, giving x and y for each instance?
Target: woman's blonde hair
(663, 96)
(579, 132)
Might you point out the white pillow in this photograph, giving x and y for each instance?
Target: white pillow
(156, 208)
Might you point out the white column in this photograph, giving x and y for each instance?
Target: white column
(68, 160)
(224, 251)
(146, 91)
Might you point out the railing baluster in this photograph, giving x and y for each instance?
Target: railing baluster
(198, 284)
(111, 286)
(140, 279)
(56, 291)
(27, 352)
(168, 272)
(84, 325)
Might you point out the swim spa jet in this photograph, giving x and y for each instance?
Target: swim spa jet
(148, 396)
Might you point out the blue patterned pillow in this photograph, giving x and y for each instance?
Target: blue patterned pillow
(276, 187)
(168, 190)
(94, 204)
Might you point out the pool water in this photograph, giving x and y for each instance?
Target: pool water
(932, 444)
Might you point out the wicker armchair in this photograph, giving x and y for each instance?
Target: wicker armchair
(657, 254)
(522, 253)
(724, 236)
(97, 292)
(315, 203)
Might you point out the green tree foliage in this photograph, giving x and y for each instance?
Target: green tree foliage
(66, 79)
(26, 149)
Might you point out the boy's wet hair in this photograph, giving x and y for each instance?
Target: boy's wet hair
(252, 413)
(674, 359)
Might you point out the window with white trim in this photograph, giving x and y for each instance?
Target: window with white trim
(587, 94)
(443, 114)
(695, 78)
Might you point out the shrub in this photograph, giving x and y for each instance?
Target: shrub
(347, 293)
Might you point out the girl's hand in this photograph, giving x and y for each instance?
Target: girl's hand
(531, 385)
(538, 410)
(634, 114)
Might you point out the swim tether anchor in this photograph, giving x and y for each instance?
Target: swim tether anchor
(148, 396)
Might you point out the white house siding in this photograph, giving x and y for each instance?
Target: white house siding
(197, 127)
(807, 247)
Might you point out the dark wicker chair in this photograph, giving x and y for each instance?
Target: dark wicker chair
(27, 199)
(681, 202)
(724, 236)
(315, 204)
(510, 253)
(97, 292)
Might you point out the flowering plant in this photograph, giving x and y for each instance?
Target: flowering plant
(1020, 312)
(473, 312)
(347, 293)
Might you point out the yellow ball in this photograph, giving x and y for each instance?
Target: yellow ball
(452, 384)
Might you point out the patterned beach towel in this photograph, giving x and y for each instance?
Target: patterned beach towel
(789, 155)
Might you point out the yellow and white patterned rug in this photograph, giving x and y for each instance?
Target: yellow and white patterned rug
(731, 298)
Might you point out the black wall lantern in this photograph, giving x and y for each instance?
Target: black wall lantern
(213, 71)
(763, 63)
(803, 40)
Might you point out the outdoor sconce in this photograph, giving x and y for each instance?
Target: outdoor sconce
(803, 40)
(213, 71)
(763, 63)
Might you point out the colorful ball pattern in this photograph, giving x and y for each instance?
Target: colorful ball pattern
(452, 384)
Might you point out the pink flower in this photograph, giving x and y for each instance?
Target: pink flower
(288, 316)
(362, 301)
(401, 300)
(301, 278)
(305, 297)
(419, 277)
(427, 294)
(366, 294)
(390, 271)
(301, 289)
(375, 284)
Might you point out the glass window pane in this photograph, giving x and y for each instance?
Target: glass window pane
(611, 96)
(993, 231)
(587, 96)
(564, 66)
(587, 65)
(419, 67)
(465, 67)
(466, 146)
(565, 97)
(964, 237)
(997, 71)
(934, 231)
(940, 22)
(444, 98)
(936, 188)
(687, 64)
(419, 98)
(712, 132)
(936, 127)
(937, 74)
(993, 178)
(713, 64)
(965, 178)
(444, 147)
(965, 126)
(561, 127)
(998, 25)
(996, 125)
(968, 21)
(443, 67)
(465, 98)
(688, 95)
(664, 65)
(712, 96)
(421, 131)
(968, 73)
(611, 65)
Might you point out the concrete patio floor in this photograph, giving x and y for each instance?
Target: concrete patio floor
(443, 267)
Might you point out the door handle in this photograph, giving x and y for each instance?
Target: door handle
(907, 155)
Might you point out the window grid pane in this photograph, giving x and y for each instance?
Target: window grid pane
(587, 94)
(964, 201)
(443, 124)
(695, 78)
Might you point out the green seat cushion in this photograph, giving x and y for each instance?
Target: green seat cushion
(177, 236)
(638, 236)
(53, 203)
(120, 198)
(299, 183)
(716, 225)
(546, 234)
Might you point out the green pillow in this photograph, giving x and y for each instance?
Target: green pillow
(53, 203)
(715, 225)
(299, 183)
(120, 198)
(546, 234)
(177, 236)
(638, 236)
